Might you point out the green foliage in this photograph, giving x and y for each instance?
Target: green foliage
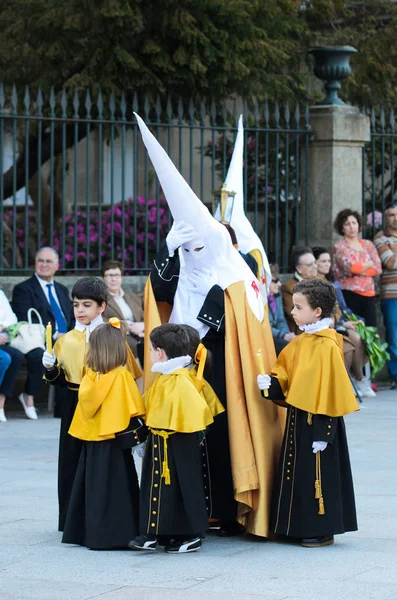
(211, 48)
(376, 351)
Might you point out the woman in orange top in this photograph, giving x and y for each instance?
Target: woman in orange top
(356, 264)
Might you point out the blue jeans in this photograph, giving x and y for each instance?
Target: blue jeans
(5, 361)
(389, 309)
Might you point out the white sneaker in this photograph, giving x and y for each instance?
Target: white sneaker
(364, 386)
(30, 411)
(356, 388)
(2, 416)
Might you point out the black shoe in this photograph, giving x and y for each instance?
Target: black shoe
(178, 547)
(393, 384)
(230, 529)
(143, 542)
(318, 542)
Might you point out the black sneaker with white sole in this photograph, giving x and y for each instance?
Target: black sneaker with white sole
(178, 547)
(143, 542)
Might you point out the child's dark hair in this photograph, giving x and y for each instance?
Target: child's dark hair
(90, 288)
(319, 294)
(171, 338)
(107, 349)
(195, 340)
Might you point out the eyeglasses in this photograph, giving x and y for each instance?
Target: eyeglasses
(311, 265)
(275, 280)
(112, 276)
(43, 261)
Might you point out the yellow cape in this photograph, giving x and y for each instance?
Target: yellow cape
(202, 385)
(313, 376)
(255, 425)
(70, 351)
(106, 404)
(173, 402)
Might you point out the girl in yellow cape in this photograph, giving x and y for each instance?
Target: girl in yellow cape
(314, 496)
(104, 503)
(173, 498)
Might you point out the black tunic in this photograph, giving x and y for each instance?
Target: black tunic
(177, 509)
(69, 447)
(164, 280)
(294, 506)
(104, 503)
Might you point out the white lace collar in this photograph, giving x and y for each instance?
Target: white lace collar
(318, 326)
(89, 328)
(171, 365)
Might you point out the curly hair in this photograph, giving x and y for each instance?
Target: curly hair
(319, 294)
(342, 217)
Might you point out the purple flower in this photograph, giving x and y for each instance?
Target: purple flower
(375, 218)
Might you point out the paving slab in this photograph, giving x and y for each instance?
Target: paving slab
(35, 564)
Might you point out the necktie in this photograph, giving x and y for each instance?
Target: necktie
(56, 311)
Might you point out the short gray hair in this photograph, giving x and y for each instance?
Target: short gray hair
(47, 248)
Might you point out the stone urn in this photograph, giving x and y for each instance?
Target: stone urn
(332, 66)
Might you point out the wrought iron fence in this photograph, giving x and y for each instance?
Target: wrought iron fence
(379, 169)
(77, 177)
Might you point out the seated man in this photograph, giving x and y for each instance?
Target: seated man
(281, 334)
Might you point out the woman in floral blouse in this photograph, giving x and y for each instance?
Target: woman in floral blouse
(356, 264)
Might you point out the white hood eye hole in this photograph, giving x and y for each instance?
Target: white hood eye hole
(198, 249)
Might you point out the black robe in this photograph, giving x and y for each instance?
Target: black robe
(217, 470)
(69, 447)
(180, 508)
(294, 507)
(104, 503)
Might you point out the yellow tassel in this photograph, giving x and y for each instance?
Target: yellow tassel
(166, 474)
(309, 418)
(166, 471)
(317, 489)
(321, 509)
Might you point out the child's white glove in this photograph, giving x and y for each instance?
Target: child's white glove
(48, 360)
(139, 450)
(201, 281)
(264, 382)
(180, 233)
(319, 446)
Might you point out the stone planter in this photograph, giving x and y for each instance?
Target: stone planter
(332, 66)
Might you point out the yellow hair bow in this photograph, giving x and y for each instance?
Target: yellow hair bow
(114, 322)
(199, 358)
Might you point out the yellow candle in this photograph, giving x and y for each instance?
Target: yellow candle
(261, 368)
(48, 336)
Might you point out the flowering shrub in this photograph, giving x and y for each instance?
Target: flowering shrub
(373, 223)
(89, 238)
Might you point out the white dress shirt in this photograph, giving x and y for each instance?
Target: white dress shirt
(123, 306)
(7, 316)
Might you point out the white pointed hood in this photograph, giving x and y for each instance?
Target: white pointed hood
(225, 263)
(247, 239)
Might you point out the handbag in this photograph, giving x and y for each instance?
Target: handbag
(30, 335)
(133, 435)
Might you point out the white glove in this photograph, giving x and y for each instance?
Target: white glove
(139, 450)
(179, 234)
(48, 359)
(264, 382)
(319, 446)
(201, 281)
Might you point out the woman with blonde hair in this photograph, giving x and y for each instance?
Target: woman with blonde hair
(104, 504)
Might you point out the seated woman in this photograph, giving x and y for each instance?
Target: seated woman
(124, 304)
(353, 346)
(7, 318)
(304, 266)
(281, 334)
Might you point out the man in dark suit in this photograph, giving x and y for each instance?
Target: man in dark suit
(52, 302)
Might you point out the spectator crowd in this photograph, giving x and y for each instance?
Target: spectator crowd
(352, 267)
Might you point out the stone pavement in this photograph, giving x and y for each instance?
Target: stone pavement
(35, 565)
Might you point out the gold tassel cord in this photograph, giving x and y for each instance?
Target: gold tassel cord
(165, 435)
(309, 418)
(318, 492)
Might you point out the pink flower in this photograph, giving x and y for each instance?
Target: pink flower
(375, 218)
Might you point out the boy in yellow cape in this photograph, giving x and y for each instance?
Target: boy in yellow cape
(314, 496)
(104, 503)
(173, 497)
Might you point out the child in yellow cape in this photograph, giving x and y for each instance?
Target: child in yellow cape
(314, 496)
(173, 498)
(104, 504)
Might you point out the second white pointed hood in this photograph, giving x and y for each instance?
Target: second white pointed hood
(247, 238)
